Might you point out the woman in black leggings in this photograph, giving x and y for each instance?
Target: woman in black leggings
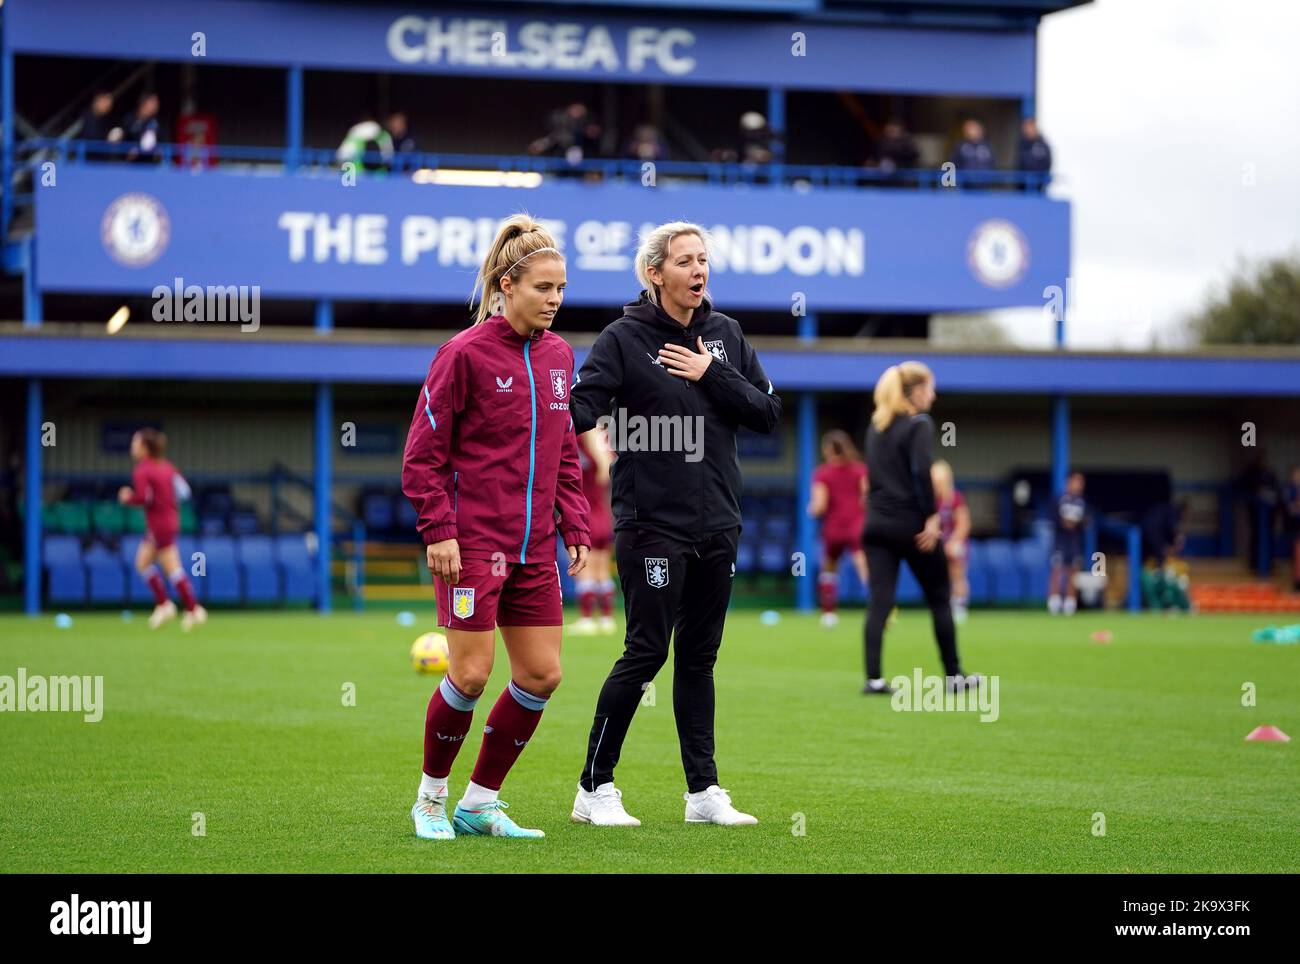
(901, 519)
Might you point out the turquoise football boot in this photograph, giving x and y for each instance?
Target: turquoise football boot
(490, 821)
(430, 815)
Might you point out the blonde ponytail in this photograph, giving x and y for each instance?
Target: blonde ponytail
(519, 238)
(892, 390)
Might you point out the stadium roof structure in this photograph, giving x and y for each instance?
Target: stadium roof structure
(920, 13)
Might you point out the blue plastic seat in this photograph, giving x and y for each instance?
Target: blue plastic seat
(67, 582)
(223, 583)
(296, 567)
(106, 577)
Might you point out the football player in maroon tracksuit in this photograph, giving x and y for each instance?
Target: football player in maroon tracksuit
(491, 467)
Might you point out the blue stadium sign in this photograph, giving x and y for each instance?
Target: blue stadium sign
(121, 229)
(621, 47)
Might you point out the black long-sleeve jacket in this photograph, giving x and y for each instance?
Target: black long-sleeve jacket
(692, 489)
(902, 492)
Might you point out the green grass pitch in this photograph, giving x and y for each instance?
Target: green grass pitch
(243, 721)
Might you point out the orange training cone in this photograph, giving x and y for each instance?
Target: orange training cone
(1267, 734)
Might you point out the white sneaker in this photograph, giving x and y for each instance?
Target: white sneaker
(602, 808)
(195, 617)
(959, 614)
(161, 614)
(1054, 605)
(1069, 605)
(714, 806)
(585, 626)
(829, 620)
(606, 624)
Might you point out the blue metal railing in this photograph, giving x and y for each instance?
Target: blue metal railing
(28, 153)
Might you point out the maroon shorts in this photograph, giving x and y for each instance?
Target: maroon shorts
(161, 538)
(492, 594)
(838, 546)
(601, 526)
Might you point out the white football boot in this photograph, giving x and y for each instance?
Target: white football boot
(830, 620)
(606, 625)
(714, 806)
(602, 808)
(161, 614)
(584, 626)
(195, 617)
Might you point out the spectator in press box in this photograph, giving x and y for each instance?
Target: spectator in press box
(196, 136)
(96, 124)
(973, 153)
(646, 144)
(404, 149)
(573, 135)
(142, 131)
(897, 150)
(1035, 153)
(368, 145)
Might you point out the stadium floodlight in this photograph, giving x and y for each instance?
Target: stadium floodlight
(464, 178)
(119, 319)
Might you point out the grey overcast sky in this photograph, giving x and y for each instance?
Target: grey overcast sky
(1175, 130)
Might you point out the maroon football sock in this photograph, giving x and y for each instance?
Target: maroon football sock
(510, 726)
(445, 725)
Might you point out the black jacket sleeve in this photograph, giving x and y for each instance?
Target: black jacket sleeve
(920, 459)
(745, 394)
(597, 383)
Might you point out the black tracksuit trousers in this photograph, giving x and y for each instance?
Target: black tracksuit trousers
(671, 589)
(886, 546)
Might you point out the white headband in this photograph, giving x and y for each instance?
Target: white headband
(529, 255)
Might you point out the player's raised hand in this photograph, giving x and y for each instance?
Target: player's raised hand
(577, 559)
(444, 560)
(681, 361)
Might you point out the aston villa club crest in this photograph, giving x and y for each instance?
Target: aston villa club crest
(560, 383)
(716, 349)
(462, 602)
(656, 571)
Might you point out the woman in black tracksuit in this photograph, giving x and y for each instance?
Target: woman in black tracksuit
(675, 371)
(902, 521)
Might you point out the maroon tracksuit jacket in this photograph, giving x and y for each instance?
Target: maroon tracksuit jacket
(491, 458)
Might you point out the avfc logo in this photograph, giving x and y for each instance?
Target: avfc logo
(462, 602)
(135, 230)
(656, 571)
(559, 383)
(716, 349)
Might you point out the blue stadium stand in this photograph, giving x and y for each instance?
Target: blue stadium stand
(261, 574)
(296, 567)
(64, 570)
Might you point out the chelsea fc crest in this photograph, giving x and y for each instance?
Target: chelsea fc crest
(135, 229)
(559, 383)
(656, 571)
(462, 602)
(717, 350)
(997, 253)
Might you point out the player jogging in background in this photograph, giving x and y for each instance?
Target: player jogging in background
(595, 587)
(491, 461)
(1067, 550)
(902, 519)
(671, 359)
(160, 488)
(839, 494)
(954, 530)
